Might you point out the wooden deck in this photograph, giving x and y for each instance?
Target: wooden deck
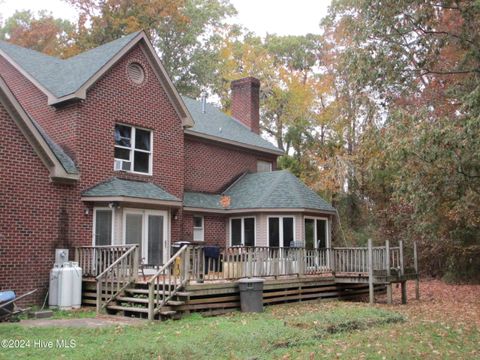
(214, 297)
(191, 281)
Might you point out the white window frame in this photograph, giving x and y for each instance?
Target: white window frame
(242, 237)
(202, 228)
(94, 227)
(327, 229)
(281, 217)
(265, 162)
(132, 150)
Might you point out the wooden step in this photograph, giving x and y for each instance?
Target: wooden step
(167, 312)
(127, 308)
(132, 300)
(145, 291)
(175, 303)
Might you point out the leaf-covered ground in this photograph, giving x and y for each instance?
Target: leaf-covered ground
(444, 324)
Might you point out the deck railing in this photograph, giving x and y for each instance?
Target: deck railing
(121, 273)
(95, 259)
(167, 281)
(239, 262)
(233, 263)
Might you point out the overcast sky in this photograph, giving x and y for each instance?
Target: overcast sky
(292, 17)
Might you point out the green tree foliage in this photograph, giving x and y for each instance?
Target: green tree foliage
(185, 32)
(420, 165)
(41, 32)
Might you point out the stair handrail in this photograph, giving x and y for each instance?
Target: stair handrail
(179, 277)
(126, 267)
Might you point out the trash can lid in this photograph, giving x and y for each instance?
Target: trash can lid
(251, 280)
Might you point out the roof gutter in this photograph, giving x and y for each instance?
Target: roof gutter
(256, 210)
(131, 199)
(232, 142)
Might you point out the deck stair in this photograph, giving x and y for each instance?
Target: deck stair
(134, 302)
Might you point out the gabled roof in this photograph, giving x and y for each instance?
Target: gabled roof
(67, 79)
(64, 77)
(60, 165)
(216, 125)
(127, 190)
(263, 191)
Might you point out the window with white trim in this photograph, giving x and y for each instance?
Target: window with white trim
(281, 231)
(198, 228)
(264, 166)
(242, 231)
(133, 149)
(316, 233)
(102, 226)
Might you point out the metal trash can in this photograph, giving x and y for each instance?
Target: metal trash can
(176, 246)
(251, 294)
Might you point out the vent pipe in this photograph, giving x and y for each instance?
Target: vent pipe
(204, 103)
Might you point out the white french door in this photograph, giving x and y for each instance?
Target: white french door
(149, 230)
(317, 237)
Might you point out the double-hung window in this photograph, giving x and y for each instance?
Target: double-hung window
(242, 231)
(264, 166)
(281, 231)
(198, 228)
(133, 149)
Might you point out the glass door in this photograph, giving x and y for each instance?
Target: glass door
(147, 229)
(155, 239)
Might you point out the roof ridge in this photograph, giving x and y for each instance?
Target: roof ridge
(268, 193)
(296, 189)
(235, 182)
(8, 43)
(122, 38)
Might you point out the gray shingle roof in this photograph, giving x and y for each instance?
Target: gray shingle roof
(266, 190)
(216, 123)
(64, 77)
(129, 188)
(201, 200)
(64, 159)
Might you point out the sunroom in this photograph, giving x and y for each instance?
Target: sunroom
(268, 209)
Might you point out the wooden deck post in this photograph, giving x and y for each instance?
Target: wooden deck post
(387, 266)
(370, 273)
(151, 301)
(415, 264)
(99, 296)
(400, 245)
(404, 292)
(402, 272)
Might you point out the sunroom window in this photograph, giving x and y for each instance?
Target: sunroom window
(242, 231)
(281, 230)
(133, 149)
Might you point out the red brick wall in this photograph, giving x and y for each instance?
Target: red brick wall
(215, 230)
(246, 102)
(34, 214)
(59, 123)
(211, 168)
(115, 99)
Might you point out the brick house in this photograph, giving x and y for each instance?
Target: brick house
(101, 149)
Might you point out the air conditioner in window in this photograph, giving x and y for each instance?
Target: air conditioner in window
(122, 165)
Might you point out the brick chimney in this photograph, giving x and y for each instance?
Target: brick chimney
(246, 102)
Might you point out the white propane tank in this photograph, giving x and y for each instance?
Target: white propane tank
(70, 286)
(53, 289)
(77, 285)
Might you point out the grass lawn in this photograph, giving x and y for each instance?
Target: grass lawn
(305, 331)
